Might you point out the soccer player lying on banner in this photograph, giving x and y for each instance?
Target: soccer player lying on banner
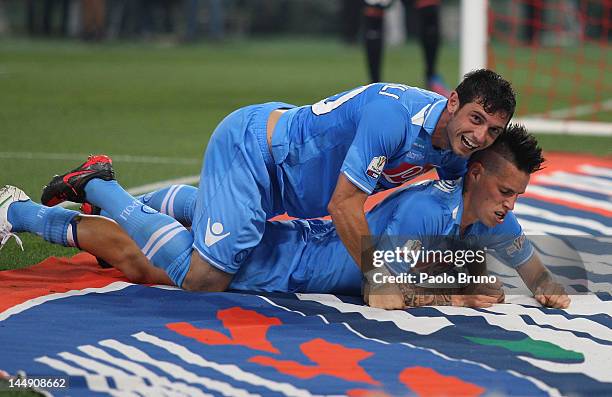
(311, 161)
(308, 255)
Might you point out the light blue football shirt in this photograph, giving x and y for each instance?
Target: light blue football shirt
(308, 255)
(378, 135)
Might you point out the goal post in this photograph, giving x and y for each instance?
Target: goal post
(556, 53)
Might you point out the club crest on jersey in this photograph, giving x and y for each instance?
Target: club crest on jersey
(376, 166)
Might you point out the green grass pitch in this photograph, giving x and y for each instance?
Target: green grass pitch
(61, 100)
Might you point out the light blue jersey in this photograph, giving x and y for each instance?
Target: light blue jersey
(308, 256)
(378, 136)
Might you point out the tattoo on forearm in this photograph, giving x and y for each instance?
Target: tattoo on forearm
(416, 296)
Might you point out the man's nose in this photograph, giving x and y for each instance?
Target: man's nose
(509, 202)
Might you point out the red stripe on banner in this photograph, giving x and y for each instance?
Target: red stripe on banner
(246, 327)
(21, 285)
(330, 358)
(427, 382)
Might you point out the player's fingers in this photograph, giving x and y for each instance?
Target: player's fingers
(564, 302)
(541, 299)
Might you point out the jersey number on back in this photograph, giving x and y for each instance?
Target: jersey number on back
(328, 104)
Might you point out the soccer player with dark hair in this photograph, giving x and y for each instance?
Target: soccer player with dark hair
(308, 255)
(428, 15)
(309, 161)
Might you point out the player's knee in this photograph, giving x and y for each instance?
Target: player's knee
(204, 277)
(132, 262)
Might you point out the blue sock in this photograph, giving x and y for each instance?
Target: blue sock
(176, 201)
(164, 241)
(55, 224)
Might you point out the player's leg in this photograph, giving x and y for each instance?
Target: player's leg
(236, 193)
(96, 235)
(163, 241)
(373, 14)
(428, 12)
(176, 201)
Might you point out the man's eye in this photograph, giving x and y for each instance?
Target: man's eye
(476, 119)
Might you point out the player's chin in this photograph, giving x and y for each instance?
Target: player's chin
(460, 149)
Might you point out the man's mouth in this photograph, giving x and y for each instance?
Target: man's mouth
(500, 215)
(471, 145)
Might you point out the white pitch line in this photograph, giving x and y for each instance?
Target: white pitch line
(81, 156)
(151, 187)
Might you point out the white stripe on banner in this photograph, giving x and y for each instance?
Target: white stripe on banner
(402, 319)
(524, 209)
(142, 372)
(124, 382)
(596, 355)
(175, 370)
(116, 286)
(95, 383)
(538, 228)
(156, 235)
(539, 384)
(231, 370)
(575, 325)
(571, 197)
(597, 171)
(577, 181)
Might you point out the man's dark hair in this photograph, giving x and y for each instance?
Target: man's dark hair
(489, 89)
(516, 145)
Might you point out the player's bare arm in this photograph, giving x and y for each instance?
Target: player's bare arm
(539, 280)
(346, 210)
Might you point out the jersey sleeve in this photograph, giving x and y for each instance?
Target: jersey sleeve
(380, 133)
(455, 168)
(509, 244)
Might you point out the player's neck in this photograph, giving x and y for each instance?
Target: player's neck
(468, 216)
(439, 138)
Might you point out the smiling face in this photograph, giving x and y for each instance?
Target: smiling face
(493, 191)
(471, 128)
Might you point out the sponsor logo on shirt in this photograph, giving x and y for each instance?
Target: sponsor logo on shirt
(404, 172)
(376, 166)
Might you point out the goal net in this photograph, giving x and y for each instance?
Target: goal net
(558, 56)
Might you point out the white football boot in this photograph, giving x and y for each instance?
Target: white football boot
(8, 195)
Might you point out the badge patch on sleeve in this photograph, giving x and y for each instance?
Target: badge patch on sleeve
(376, 166)
(516, 245)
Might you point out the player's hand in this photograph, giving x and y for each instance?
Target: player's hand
(386, 296)
(474, 300)
(490, 289)
(553, 295)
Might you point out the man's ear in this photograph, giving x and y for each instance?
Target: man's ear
(453, 102)
(475, 171)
